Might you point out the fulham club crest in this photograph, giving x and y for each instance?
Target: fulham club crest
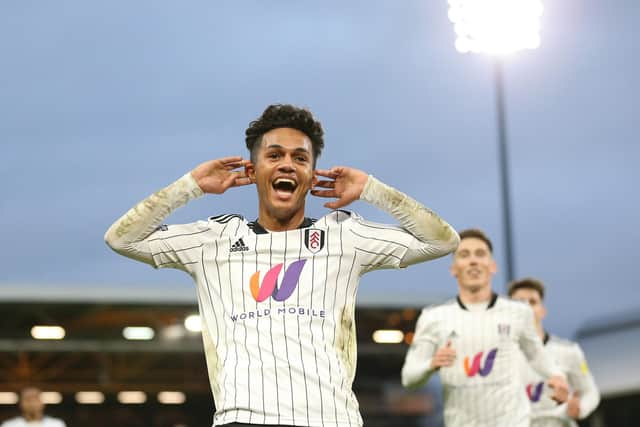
(314, 239)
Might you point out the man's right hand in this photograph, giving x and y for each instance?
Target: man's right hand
(445, 356)
(217, 176)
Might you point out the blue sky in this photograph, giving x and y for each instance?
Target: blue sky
(104, 103)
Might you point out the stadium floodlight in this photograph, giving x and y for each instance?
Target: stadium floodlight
(496, 27)
(51, 397)
(388, 336)
(8, 398)
(171, 397)
(139, 333)
(193, 323)
(132, 397)
(42, 332)
(89, 397)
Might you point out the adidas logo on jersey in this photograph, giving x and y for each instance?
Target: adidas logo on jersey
(239, 246)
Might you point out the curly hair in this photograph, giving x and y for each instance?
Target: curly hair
(285, 116)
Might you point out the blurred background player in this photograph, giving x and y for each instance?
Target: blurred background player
(32, 409)
(475, 341)
(567, 355)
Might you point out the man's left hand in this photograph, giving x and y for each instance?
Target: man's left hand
(345, 184)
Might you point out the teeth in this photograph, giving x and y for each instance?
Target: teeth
(279, 180)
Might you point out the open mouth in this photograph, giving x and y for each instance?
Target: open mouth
(474, 272)
(284, 185)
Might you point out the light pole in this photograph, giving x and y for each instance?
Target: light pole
(503, 161)
(497, 28)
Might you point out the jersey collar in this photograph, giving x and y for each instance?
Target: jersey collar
(494, 298)
(258, 229)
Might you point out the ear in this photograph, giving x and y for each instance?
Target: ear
(493, 267)
(452, 270)
(250, 171)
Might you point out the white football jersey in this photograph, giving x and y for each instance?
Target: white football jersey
(483, 387)
(570, 359)
(278, 307)
(278, 311)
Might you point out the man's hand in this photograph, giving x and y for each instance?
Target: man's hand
(217, 176)
(345, 184)
(445, 356)
(560, 388)
(573, 406)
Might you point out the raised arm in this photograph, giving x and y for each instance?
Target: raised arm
(347, 184)
(127, 235)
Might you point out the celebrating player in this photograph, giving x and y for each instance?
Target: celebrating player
(277, 294)
(569, 358)
(475, 342)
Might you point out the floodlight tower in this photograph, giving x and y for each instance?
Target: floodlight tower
(498, 28)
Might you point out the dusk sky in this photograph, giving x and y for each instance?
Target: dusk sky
(103, 103)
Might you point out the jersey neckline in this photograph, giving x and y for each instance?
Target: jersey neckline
(492, 302)
(259, 229)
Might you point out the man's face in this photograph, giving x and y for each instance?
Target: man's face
(30, 403)
(473, 265)
(283, 172)
(531, 297)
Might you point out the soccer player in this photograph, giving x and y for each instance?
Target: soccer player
(474, 341)
(32, 409)
(569, 358)
(277, 294)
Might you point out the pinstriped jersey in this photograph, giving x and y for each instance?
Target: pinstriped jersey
(278, 311)
(482, 388)
(570, 359)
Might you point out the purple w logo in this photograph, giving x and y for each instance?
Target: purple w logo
(534, 395)
(269, 282)
(475, 365)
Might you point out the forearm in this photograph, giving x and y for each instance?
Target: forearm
(126, 235)
(417, 365)
(533, 349)
(414, 375)
(437, 235)
(544, 365)
(589, 400)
